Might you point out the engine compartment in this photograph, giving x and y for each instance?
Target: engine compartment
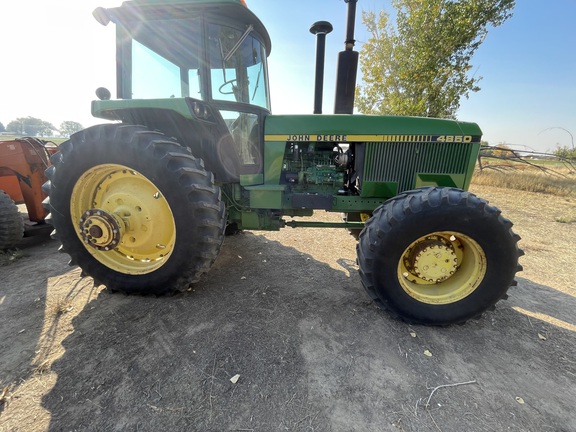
(318, 167)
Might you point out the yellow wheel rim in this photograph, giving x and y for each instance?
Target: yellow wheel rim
(442, 267)
(122, 219)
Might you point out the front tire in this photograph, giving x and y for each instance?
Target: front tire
(134, 209)
(11, 224)
(437, 256)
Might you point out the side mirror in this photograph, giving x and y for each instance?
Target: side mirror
(103, 93)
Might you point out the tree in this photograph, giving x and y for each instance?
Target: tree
(68, 128)
(2, 128)
(565, 152)
(420, 66)
(502, 151)
(30, 126)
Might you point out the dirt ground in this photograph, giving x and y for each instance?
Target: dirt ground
(286, 312)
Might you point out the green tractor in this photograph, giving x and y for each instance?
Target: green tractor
(142, 205)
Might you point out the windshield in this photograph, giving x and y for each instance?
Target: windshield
(154, 76)
(167, 60)
(237, 66)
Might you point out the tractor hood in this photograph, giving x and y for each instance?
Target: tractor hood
(351, 128)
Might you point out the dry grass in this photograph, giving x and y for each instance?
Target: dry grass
(6, 395)
(558, 180)
(547, 242)
(43, 367)
(565, 219)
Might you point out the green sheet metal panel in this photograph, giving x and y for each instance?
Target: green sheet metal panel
(402, 162)
(344, 126)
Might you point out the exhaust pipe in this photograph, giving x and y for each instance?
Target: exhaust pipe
(347, 67)
(320, 29)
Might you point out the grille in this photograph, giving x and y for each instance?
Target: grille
(399, 161)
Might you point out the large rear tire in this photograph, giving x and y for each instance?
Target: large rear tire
(11, 224)
(437, 256)
(134, 209)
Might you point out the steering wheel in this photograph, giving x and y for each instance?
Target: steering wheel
(231, 83)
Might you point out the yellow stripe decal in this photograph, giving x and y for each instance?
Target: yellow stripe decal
(368, 138)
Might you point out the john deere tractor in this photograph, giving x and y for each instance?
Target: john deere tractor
(142, 204)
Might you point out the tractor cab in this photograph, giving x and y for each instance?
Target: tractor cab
(196, 70)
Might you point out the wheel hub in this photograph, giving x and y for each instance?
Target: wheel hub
(101, 230)
(433, 259)
(123, 219)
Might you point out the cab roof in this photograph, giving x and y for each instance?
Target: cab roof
(225, 10)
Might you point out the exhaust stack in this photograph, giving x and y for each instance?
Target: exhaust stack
(320, 29)
(347, 67)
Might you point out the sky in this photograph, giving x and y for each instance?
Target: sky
(54, 55)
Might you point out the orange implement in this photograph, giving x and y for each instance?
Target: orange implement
(22, 165)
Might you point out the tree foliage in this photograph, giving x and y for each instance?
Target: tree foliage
(67, 128)
(30, 126)
(2, 128)
(502, 151)
(420, 66)
(565, 152)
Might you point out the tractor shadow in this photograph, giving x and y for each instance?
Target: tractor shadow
(24, 276)
(273, 338)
